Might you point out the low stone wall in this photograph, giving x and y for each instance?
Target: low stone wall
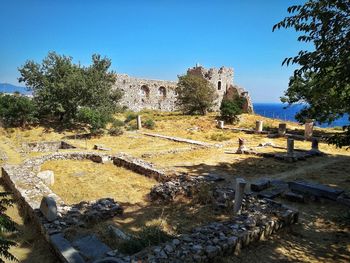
(208, 243)
(47, 146)
(178, 139)
(139, 166)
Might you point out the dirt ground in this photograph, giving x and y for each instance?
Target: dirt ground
(323, 231)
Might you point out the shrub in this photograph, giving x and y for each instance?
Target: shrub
(117, 123)
(130, 116)
(115, 131)
(230, 109)
(95, 119)
(148, 236)
(17, 110)
(149, 124)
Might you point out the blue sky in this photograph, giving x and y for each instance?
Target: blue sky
(156, 39)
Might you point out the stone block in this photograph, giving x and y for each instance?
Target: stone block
(318, 190)
(91, 247)
(48, 208)
(294, 197)
(47, 176)
(65, 249)
(260, 184)
(344, 199)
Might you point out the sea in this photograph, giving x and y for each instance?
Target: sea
(280, 111)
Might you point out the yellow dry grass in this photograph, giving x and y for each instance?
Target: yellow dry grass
(76, 181)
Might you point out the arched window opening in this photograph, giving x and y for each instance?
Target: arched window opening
(162, 92)
(145, 91)
(219, 85)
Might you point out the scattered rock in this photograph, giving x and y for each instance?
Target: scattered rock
(260, 185)
(48, 177)
(48, 208)
(91, 247)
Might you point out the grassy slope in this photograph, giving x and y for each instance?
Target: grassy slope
(182, 215)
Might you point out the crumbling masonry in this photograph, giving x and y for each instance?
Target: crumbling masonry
(161, 95)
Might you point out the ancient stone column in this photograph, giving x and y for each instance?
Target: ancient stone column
(239, 193)
(221, 124)
(259, 126)
(309, 127)
(241, 146)
(282, 129)
(314, 145)
(139, 124)
(290, 147)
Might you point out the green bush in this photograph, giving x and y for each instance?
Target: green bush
(230, 109)
(117, 123)
(115, 131)
(149, 124)
(95, 119)
(130, 116)
(148, 236)
(17, 110)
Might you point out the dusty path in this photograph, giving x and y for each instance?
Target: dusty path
(311, 167)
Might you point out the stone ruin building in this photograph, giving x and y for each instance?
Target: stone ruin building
(161, 94)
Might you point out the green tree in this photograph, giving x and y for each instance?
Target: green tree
(230, 109)
(195, 94)
(322, 78)
(60, 87)
(17, 110)
(6, 226)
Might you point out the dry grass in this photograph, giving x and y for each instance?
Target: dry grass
(76, 181)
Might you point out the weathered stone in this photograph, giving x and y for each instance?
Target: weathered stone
(290, 147)
(282, 129)
(116, 232)
(259, 126)
(239, 192)
(48, 177)
(318, 190)
(260, 184)
(309, 126)
(138, 122)
(294, 197)
(241, 146)
(100, 147)
(65, 249)
(91, 247)
(344, 199)
(221, 124)
(48, 208)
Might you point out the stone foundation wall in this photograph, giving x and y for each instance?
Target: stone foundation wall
(49, 146)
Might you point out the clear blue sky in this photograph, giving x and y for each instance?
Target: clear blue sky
(154, 38)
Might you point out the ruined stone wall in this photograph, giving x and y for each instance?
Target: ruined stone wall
(161, 95)
(147, 94)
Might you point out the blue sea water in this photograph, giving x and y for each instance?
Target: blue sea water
(276, 110)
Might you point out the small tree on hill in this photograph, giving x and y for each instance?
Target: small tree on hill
(195, 94)
(230, 109)
(60, 87)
